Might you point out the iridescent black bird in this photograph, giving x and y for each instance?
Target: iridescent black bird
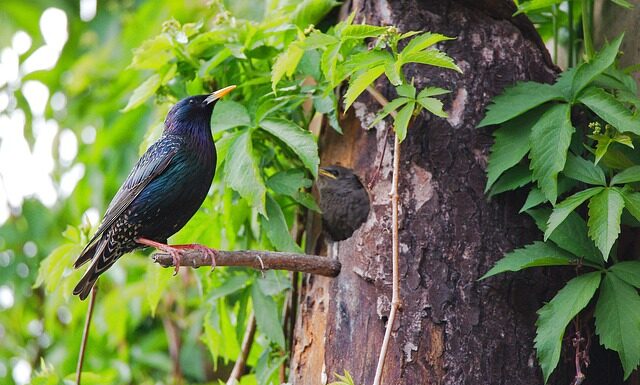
(163, 191)
(343, 200)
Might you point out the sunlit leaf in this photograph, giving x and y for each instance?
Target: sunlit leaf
(267, 318)
(299, 140)
(536, 254)
(241, 172)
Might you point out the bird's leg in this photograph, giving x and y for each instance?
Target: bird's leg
(211, 253)
(176, 251)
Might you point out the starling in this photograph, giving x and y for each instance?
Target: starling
(162, 192)
(343, 200)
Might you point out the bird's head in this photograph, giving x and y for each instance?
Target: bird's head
(333, 176)
(193, 111)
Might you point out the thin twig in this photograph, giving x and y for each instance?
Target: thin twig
(85, 333)
(241, 361)
(173, 340)
(260, 260)
(395, 289)
(383, 102)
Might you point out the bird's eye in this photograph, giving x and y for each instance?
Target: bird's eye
(191, 101)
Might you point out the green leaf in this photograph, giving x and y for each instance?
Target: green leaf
(364, 60)
(628, 271)
(329, 62)
(362, 31)
(513, 178)
(610, 109)
(229, 114)
(290, 182)
(570, 235)
(423, 41)
(401, 121)
(618, 320)
(267, 319)
(311, 11)
(629, 175)
(586, 72)
(533, 5)
(153, 53)
(392, 71)
(550, 139)
(517, 100)
(605, 210)
(431, 57)
(299, 140)
(386, 110)
(535, 254)
(582, 170)
(554, 317)
(632, 203)
(433, 105)
(241, 172)
(623, 3)
(53, 267)
(317, 39)
(510, 146)
(564, 208)
(143, 92)
(432, 91)
(286, 64)
(407, 91)
(275, 226)
(156, 282)
(359, 83)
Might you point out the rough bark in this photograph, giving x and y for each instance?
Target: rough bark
(452, 329)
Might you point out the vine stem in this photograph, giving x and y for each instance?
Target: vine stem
(395, 290)
(241, 361)
(85, 333)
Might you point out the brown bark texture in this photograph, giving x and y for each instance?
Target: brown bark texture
(452, 328)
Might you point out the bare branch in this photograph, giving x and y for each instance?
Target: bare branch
(241, 361)
(261, 260)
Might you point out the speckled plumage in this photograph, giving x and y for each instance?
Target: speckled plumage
(344, 202)
(163, 191)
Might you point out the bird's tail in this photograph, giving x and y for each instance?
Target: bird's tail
(102, 258)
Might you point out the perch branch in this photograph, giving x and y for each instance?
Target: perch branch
(261, 260)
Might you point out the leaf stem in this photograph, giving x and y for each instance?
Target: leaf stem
(85, 333)
(587, 26)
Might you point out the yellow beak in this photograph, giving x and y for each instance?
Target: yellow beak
(326, 173)
(218, 94)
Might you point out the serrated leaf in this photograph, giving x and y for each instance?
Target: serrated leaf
(401, 122)
(554, 317)
(387, 109)
(143, 92)
(510, 146)
(535, 254)
(628, 271)
(518, 99)
(511, 179)
(290, 183)
(605, 210)
(423, 41)
(153, 53)
(433, 105)
(329, 62)
(536, 196)
(52, 268)
(317, 39)
(362, 31)
(431, 57)
(311, 12)
(586, 72)
(286, 64)
(267, 319)
(570, 235)
(392, 71)
(359, 83)
(550, 139)
(241, 172)
(406, 90)
(564, 208)
(632, 203)
(618, 320)
(362, 61)
(275, 226)
(582, 170)
(299, 140)
(432, 91)
(610, 109)
(229, 114)
(629, 175)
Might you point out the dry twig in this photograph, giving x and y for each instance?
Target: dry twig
(241, 361)
(85, 333)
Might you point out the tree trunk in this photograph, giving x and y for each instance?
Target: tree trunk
(452, 329)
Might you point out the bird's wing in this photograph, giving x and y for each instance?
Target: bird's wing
(154, 161)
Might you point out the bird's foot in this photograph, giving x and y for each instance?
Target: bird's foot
(211, 253)
(177, 251)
